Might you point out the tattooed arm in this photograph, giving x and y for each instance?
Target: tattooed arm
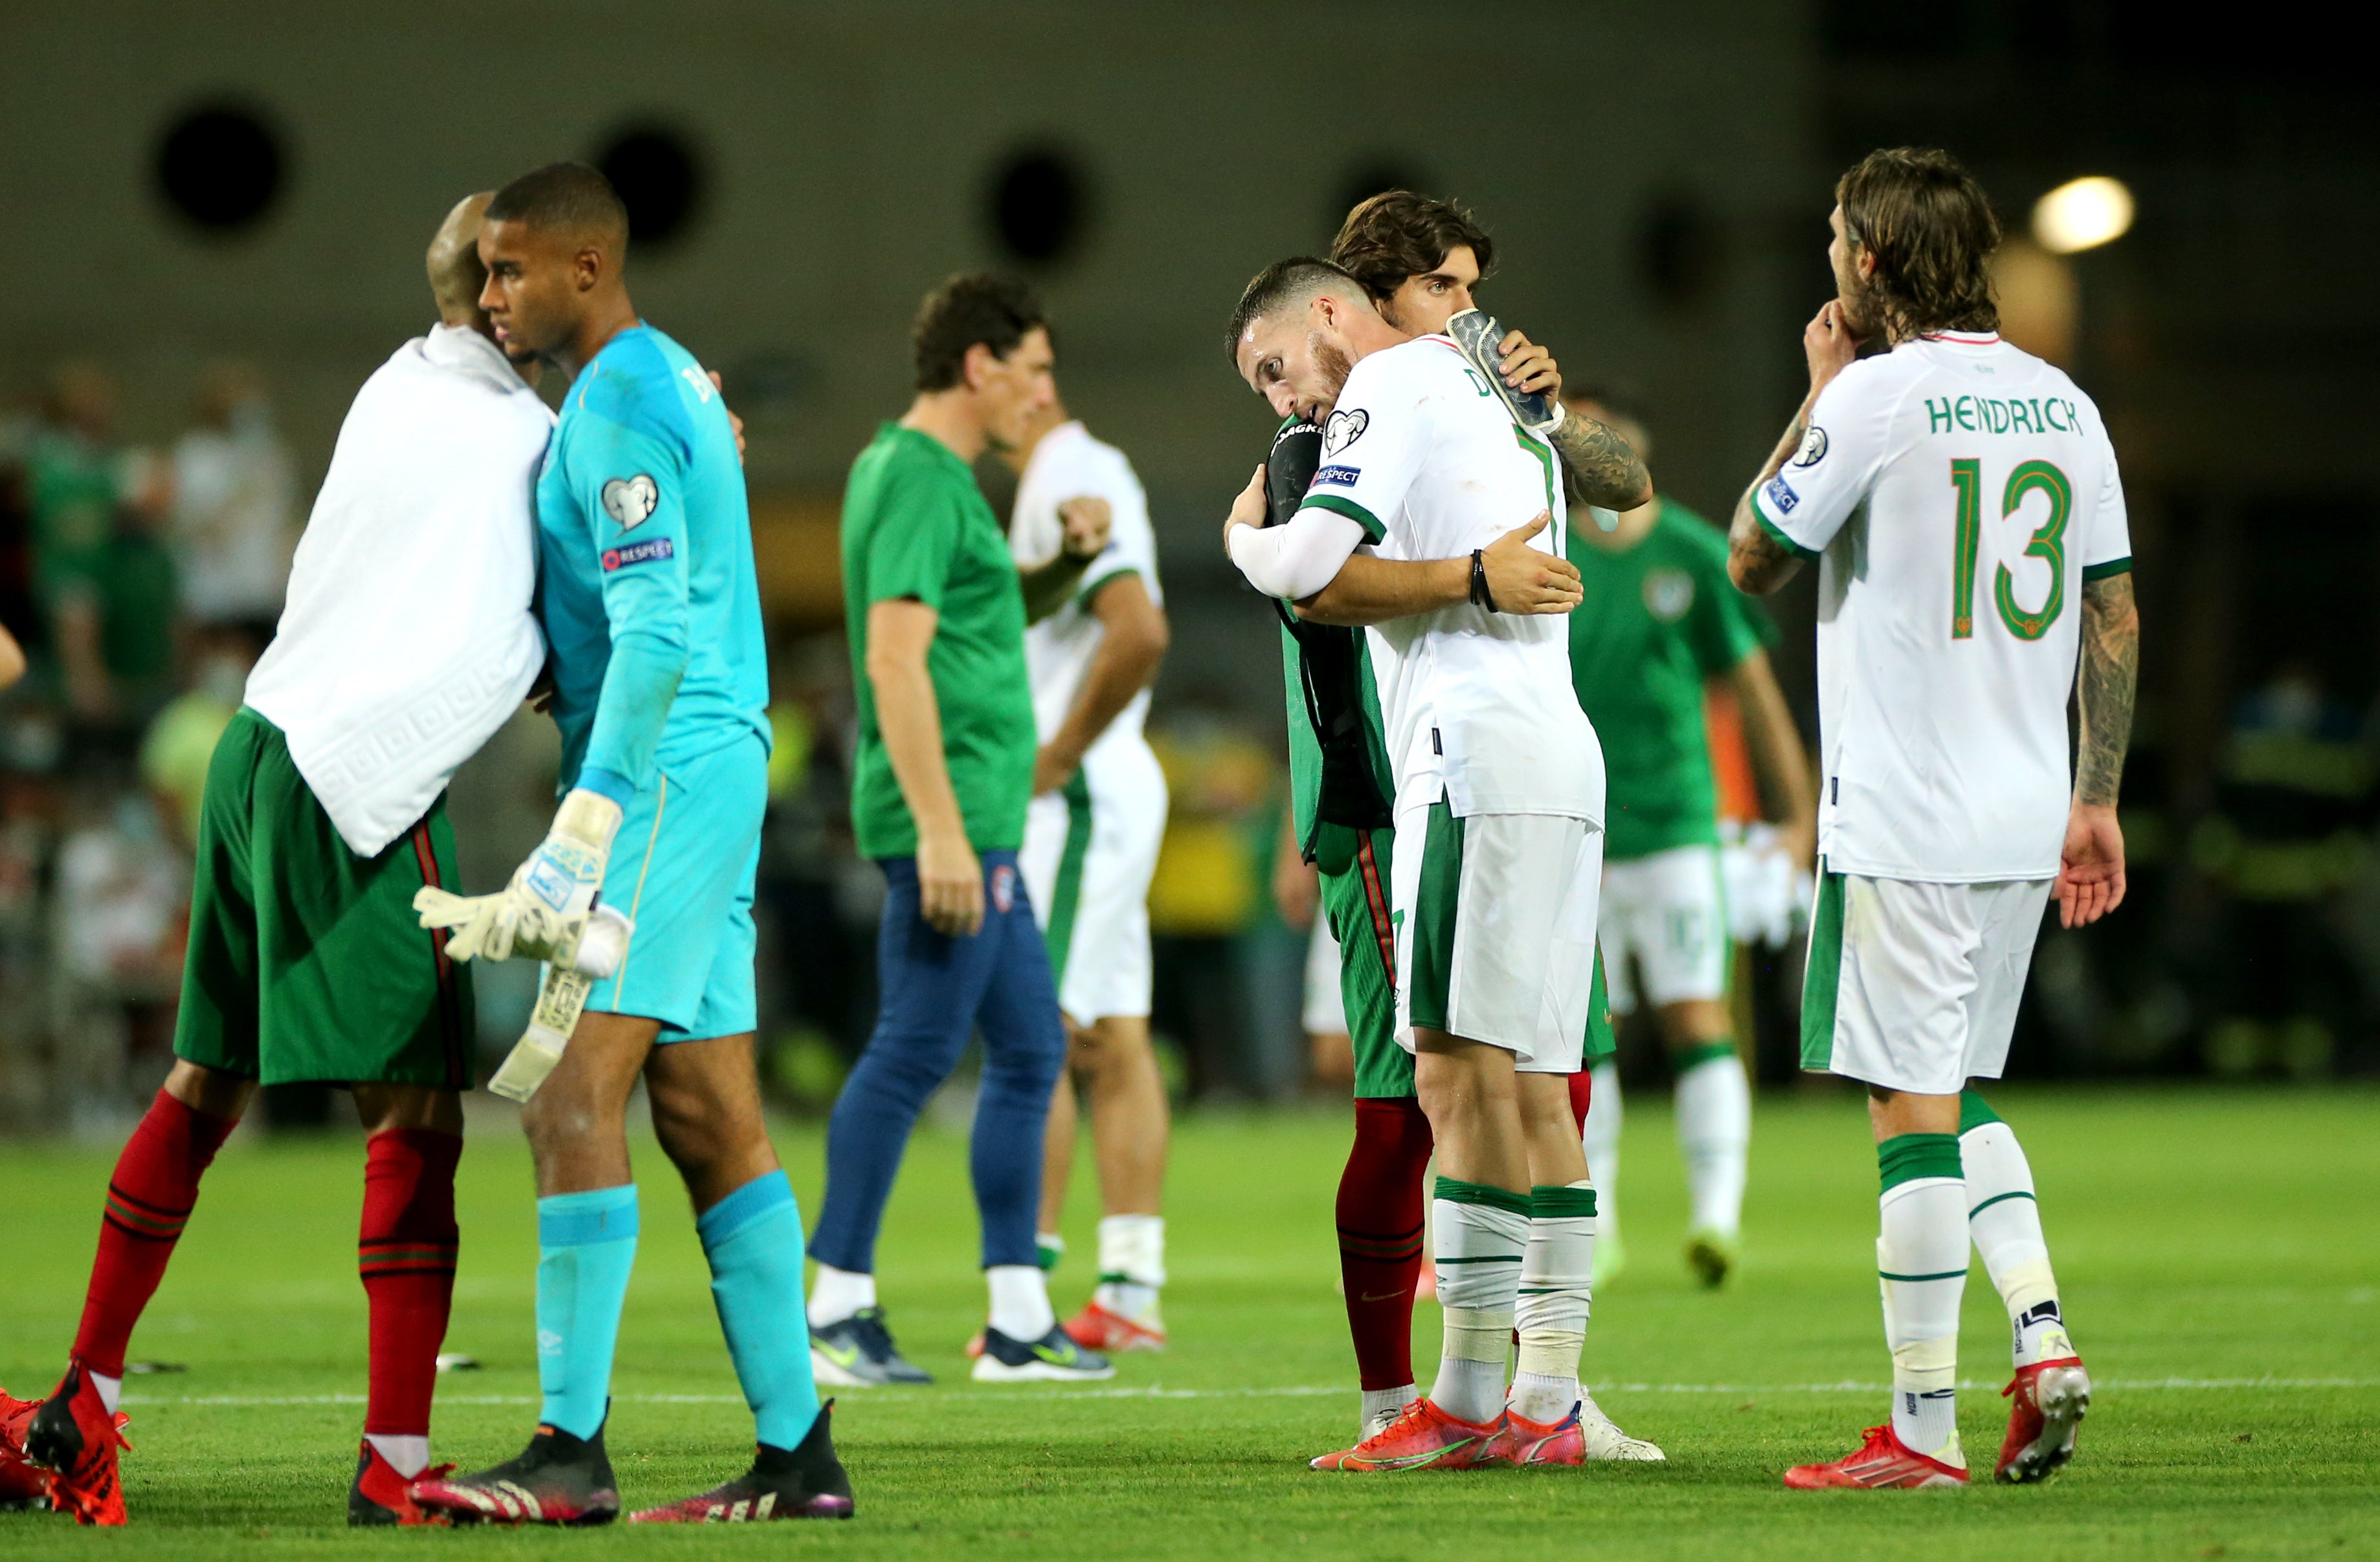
(2091, 879)
(1758, 558)
(1605, 467)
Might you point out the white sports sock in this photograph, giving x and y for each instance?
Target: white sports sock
(1020, 1301)
(1601, 1142)
(407, 1454)
(1921, 1259)
(1553, 1302)
(1381, 1405)
(1482, 1235)
(1131, 1264)
(1714, 1133)
(110, 1389)
(2005, 1220)
(836, 1294)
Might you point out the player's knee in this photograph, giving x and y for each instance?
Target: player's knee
(210, 1091)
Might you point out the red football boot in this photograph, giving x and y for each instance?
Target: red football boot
(2047, 1403)
(23, 1484)
(381, 1496)
(1426, 1437)
(1883, 1461)
(559, 1479)
(74, 1434)
(1097, 1329)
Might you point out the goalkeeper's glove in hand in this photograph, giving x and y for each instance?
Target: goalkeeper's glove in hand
(546, 908)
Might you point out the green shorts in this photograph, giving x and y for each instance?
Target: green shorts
(1354, 867)
(307, 962)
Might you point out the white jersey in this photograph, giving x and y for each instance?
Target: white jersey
(1423, 455)
(1960, 492)
(1069, 464)
(408, 637)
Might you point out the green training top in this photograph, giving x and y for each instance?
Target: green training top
(915, 526)
(1655, 621)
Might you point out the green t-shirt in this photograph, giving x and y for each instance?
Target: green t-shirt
(73, 495)
(915, 526)
(1655, 621)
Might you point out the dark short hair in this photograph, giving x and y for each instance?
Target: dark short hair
(1397, 235)
(563, 195)
(997, 311)
(1284, 281)
(1931, 229)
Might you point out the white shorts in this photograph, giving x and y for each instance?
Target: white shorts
(1326, 1007)
(1668, 913)
(1090, 849)
(1914, 986)
(1496, 931)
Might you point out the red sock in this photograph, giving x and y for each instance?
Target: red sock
(1582, 1092)
(1379, 1235)
(406, 1252)
(148, 1201)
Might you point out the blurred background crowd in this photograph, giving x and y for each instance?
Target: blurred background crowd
(232, 243)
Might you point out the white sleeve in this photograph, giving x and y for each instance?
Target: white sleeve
(1131, 541)
(1295, 561)
(1373, 445)
(2108, 545)
(1844, 449)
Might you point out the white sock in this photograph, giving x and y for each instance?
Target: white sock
(110, 1389)
(1714, 1132)
(1382, 1404)
(2005, 1221)
(1482, 1236)
(836, 1294)
(1921, 1259)
(1020, 1301)
(406, 1454)
(1132, 1265)
(1601, 1142)
(1552, 1305)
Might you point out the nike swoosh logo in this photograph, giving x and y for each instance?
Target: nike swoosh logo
(843, 1356)
(1384, 1296)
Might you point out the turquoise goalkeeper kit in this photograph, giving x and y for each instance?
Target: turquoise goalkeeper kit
(652, 620)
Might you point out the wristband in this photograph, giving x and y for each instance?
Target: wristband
(1480, 596)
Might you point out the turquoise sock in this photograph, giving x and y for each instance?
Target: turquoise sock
(753, 1238)
(586, 1245)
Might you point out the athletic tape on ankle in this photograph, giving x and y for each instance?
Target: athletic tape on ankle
(2027, 1285)
(1926, 1364)
(1479, 1334)
(1550, 1352)
(1908, 1157)
(1456, 1192)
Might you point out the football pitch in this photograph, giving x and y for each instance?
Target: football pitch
(2218, 1253)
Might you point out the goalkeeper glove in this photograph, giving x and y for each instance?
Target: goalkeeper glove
(1476, 333)
(549, 910)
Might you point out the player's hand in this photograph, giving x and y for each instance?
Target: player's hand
(1053, 767)
(950, 884)
(1829, 345)
(1247, 510)
(2091, 870)
(1526, 579)
(543, 912)
(1296, 888)
(1528, 367)
(733, 421)
(1088, 520)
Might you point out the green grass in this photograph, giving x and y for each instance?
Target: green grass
(2200, 1239)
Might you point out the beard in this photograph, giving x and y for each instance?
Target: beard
(1332, 364)
(1863, 307)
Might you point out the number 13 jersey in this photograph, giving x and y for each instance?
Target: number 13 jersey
(1958, 494)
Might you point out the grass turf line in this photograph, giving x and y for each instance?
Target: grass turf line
(2201, 1238)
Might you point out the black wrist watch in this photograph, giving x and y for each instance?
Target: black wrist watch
(1480, 595)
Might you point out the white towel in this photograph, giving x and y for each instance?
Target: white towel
(408, 639)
